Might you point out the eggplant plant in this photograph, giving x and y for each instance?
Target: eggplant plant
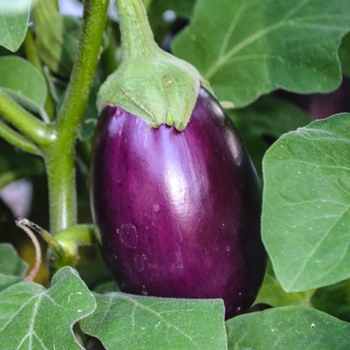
(149, 226)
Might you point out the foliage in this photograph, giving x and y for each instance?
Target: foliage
(267, 59)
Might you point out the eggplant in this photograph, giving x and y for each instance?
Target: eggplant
(178, 212)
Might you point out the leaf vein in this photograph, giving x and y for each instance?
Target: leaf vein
(316, 247)
(159, 316)
(231, 29)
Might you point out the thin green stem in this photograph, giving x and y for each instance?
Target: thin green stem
(24, 121)
(73, 107)
(59, 161)
(17, 140)
(137, 37)
(59, 155)
(70, 240)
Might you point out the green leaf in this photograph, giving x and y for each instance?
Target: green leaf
(183, 8)
(57, 37)
(10, 263)
(250, 47)
(137, 322)
(334, 299)
(306, 198)
(273, 294)
(13, 23)
(288, 328)
(35, 318)
(23, 82)
(15, 6)
(12, 268)
(344, 54)
(267, 118)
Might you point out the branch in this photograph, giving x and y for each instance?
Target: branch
(24, 121)
(17, 140)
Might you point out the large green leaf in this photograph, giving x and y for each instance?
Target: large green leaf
(148, 323)
(306, 203)
(35, 318)
(251, 47)
(14, 16)
(12, 268)
(23, 81)
(288, 328)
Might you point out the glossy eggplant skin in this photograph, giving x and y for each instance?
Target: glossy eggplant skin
(178, 212)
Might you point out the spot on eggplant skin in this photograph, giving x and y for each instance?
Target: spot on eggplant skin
(128, 235)
(144, 290)
(178, 264)
(139, 262)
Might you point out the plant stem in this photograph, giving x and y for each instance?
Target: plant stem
(137, 37)
(72, 110)
(24, 121)
(59, 155)
(70, 240)
(59, 161)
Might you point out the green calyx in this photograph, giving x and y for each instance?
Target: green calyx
(160, 89)
(150, 83)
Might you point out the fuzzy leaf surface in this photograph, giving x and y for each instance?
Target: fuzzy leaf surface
(136, 322)
(287, 328)
(306, 198)
(252, 47)
(33, 317)
(12, 268)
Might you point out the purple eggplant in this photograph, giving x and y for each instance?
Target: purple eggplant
(178, 211)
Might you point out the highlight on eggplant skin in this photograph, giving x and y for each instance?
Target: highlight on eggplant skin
(178, 212)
